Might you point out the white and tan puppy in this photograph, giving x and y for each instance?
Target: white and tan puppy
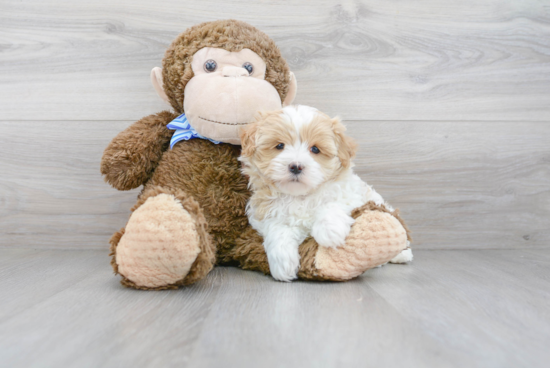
(299, 163)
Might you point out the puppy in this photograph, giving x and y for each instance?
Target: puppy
(299, 164)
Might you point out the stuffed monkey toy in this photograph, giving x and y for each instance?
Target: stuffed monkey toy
(190, 215)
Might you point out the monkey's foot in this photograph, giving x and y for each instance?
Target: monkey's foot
(376, 237)
(164, 244)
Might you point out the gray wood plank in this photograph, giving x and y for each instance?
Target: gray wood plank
(92, 321)
(491, 305)
(481, 308)
(259, 322)
(462, 185)
(458, 184)
(24, 274)
(52, 194)
(365, 60)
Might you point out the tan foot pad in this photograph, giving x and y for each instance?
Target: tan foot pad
(160, 243)
(375, 238)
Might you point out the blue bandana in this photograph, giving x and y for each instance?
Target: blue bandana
(184, 131)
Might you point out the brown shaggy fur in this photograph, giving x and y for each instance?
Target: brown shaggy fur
(205, 177)
(231, 35)
(132, 156)
(211, 174)
(248, 252)
(308, 271)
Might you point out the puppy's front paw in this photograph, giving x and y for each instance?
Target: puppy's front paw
(283, 265)
(332, 231)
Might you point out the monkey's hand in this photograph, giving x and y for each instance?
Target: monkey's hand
(132, 156)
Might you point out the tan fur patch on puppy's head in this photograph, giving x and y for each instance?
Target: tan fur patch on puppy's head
(295, 149)
(347, 148)
(328, 135)
(265, 133)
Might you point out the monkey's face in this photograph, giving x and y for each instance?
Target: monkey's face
(226, 92)
(221, 74)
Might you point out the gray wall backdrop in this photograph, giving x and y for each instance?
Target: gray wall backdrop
(450, 102)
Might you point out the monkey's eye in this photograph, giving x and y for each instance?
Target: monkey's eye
(249, 67)
(210, 66)
(314, 149)
(280, 146)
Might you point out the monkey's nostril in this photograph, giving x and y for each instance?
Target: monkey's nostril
(295, 169)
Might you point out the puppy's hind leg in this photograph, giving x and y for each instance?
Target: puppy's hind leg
(405, 256)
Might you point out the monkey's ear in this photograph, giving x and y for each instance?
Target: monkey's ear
(292, 89)
(156, 79)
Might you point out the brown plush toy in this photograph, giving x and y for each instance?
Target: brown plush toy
(190, 214)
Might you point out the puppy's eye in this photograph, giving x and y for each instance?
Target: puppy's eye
(210, 66)
(280, 146)
(314, 149)
(249, 68)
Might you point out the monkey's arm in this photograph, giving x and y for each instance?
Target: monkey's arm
(132, 156)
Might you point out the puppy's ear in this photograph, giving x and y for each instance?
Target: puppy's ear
(248, 139)
(346, 145)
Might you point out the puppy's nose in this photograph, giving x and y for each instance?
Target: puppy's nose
(234, 71)
(295, 168)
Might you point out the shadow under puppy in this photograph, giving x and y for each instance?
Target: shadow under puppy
(299, 163)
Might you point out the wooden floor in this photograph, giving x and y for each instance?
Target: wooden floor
(449, 308)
